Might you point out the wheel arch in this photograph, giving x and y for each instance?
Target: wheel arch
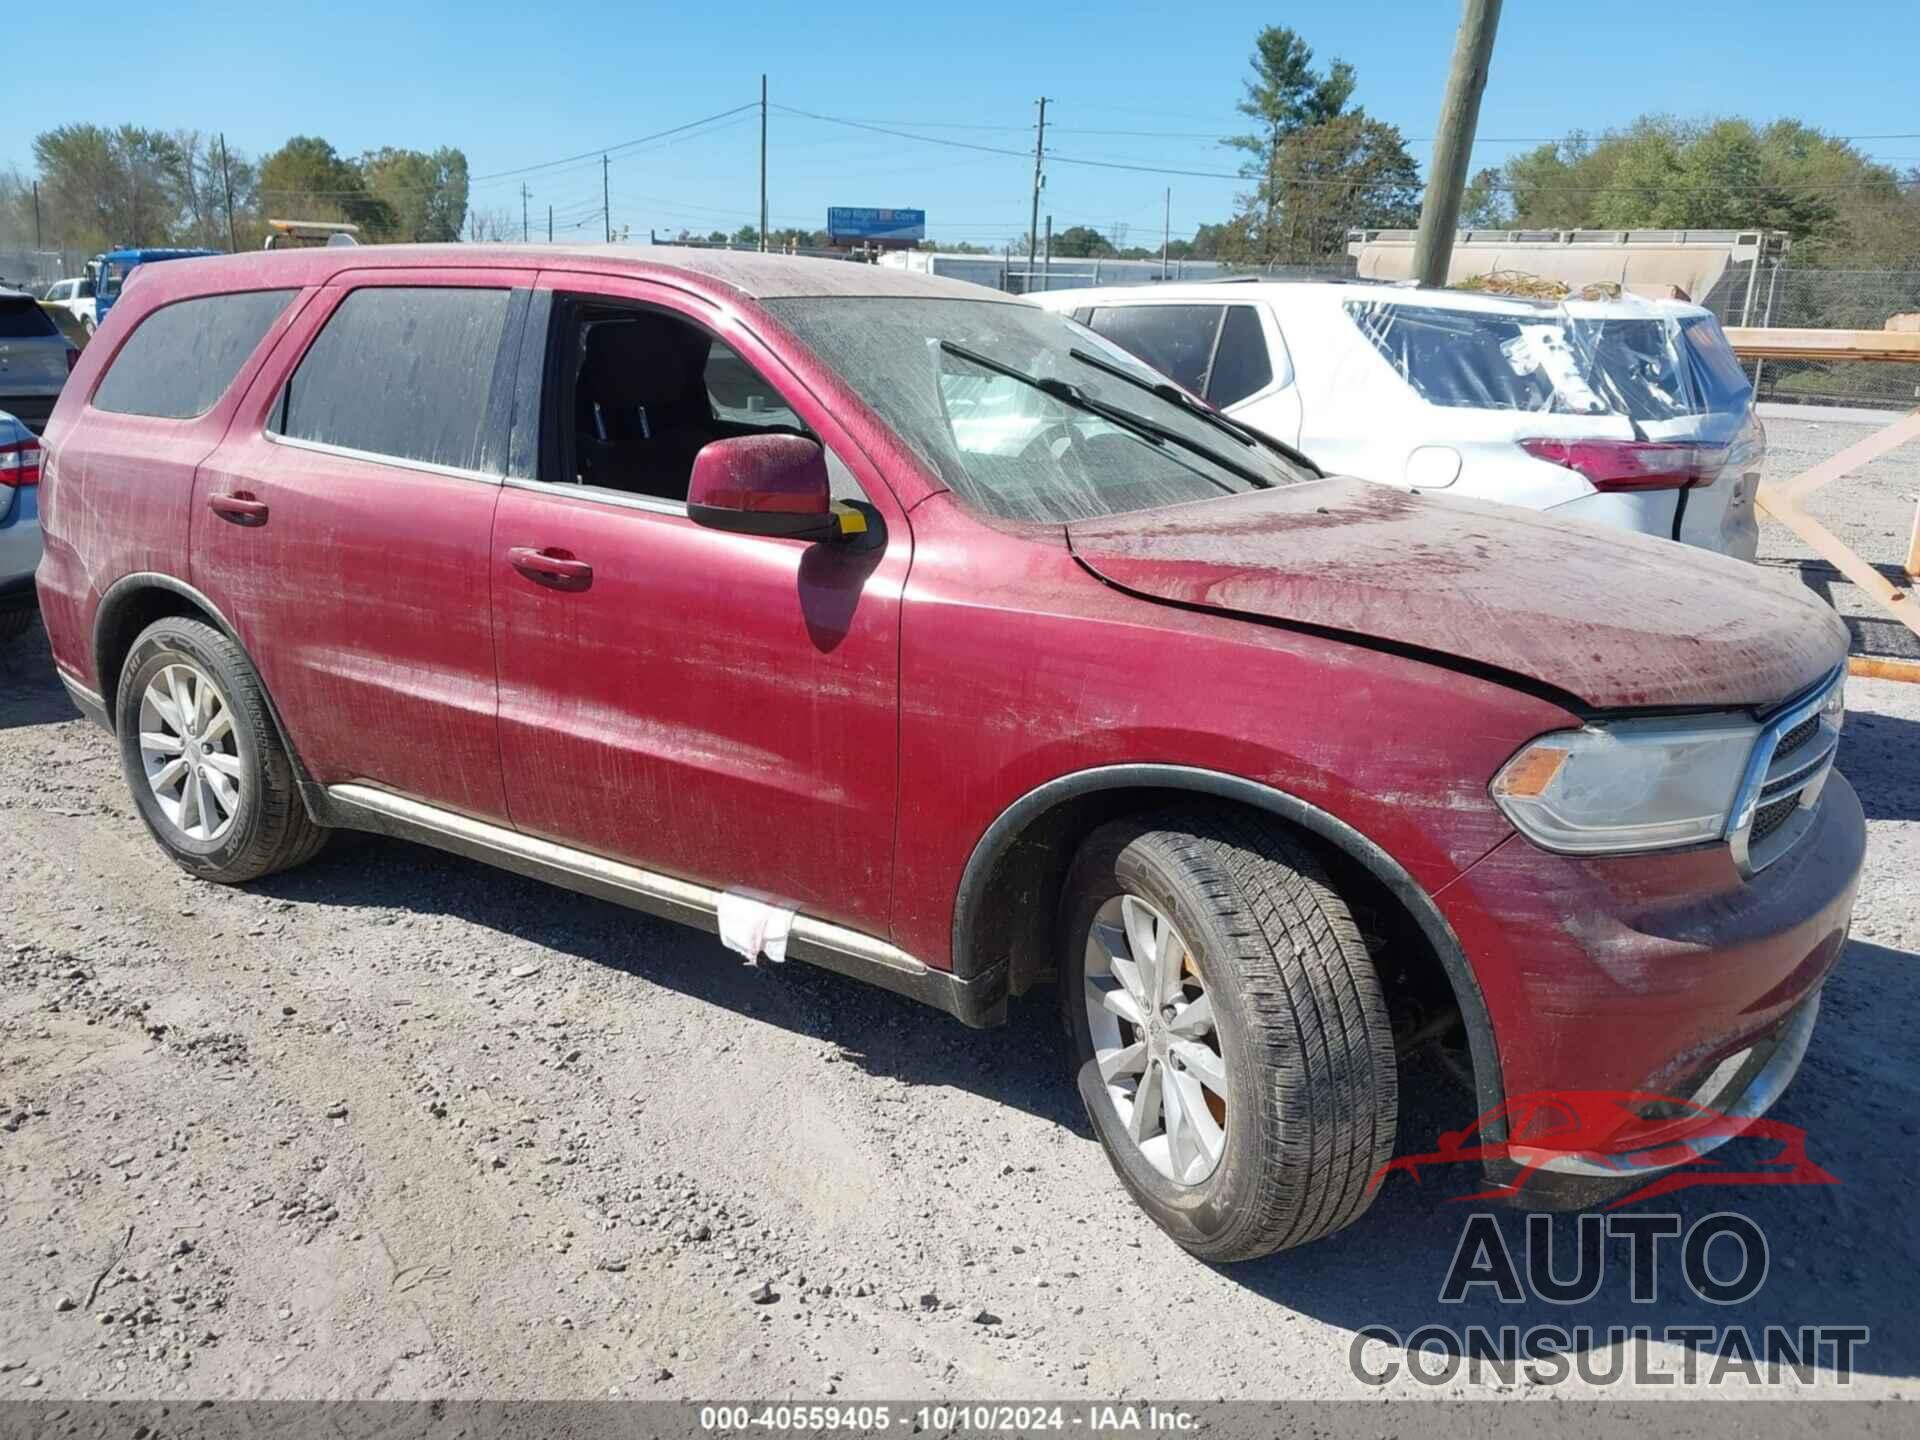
(130, 605)
(1009, 890)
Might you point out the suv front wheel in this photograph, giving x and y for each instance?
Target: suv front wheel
(203, 759)
(1230, 1034)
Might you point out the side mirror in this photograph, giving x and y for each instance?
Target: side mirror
(767, 485)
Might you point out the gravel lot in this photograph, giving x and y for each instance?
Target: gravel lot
(398, 1125)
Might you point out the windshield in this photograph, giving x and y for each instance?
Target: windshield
(1648, 367)
(113, 274)
(999, 443)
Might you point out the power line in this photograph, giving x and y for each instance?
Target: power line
(600, 150)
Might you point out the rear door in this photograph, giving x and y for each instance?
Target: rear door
(1231, 355)
(344, 525)
(715, 707)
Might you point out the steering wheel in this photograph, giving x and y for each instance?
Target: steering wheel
(1061, 438)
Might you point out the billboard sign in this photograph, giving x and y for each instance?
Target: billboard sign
(899, 227)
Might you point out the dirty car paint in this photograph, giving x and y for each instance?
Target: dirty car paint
(1614, 619)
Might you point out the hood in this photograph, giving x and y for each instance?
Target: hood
(1610, 618)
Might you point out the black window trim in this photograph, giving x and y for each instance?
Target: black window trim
(498, 411)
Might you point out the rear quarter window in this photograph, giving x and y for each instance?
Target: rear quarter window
(180, 359)
(402, 372)
(1176, 340)
(21, 318)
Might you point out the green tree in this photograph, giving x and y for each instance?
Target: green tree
(426, 193)
(1080, 242)
(307, 179)
(124, 186)
(1285, 94)
(1664, 173)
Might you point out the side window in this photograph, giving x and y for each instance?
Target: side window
(740, 398)
(643, 391)
(1176, 340)
(182, 357)
(1240, 364)
(21, 318)
(402, 372)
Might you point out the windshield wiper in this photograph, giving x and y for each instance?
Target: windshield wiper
(1174, 395)
(1070, 394)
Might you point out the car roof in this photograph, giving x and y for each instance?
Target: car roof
(746, 273)
(1282, 292)
(156, 252)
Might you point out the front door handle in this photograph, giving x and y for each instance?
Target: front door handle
(553, 568)
(239, 507)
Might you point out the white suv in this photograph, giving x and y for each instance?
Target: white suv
(1629, 412)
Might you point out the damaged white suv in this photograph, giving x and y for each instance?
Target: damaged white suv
(1628, 412)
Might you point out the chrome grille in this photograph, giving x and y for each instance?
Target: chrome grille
(1796, 737)
(1785, 775)
(1770, 817)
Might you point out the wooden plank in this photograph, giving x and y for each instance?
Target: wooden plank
(1896, 602)
(1912, 566)
(1871, 667)
(1862, 452)
(1753, 343)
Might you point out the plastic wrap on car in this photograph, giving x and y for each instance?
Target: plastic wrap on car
(1630, 359)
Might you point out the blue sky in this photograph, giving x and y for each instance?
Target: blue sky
(514, 85)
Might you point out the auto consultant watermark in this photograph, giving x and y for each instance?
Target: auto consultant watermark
(1611, 1267)
(1721, 1259)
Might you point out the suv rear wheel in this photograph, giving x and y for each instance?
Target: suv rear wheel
(1229, 1031)
(203, 760)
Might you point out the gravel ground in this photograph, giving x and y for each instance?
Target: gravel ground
(1871, 510)
(398, 1125)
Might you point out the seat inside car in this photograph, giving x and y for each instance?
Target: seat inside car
(641, 404)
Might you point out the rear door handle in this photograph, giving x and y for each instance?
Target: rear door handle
(240, 507)
(553, 568)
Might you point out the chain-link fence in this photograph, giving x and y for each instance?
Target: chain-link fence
(1801, 297)
(34, 270)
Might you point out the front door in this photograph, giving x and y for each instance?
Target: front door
(720, 708)
(344, 527)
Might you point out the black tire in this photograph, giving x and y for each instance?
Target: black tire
(1299, 1018)
(15, 623)
(269, 829)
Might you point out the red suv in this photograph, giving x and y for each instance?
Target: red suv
(898, 626)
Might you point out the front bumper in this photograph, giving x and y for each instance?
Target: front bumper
(1653, 973)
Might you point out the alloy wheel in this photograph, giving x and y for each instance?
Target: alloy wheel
(1151, 1021)
(189, 753)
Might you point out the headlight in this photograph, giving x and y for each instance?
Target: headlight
(1637, 785)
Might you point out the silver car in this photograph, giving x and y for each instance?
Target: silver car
(34, 359)
(20, 457)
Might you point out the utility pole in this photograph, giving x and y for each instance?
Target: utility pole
(1166, 232)
(606, 209)
(1033, 227)
(1046, 265)
(1453, 140)
(549, 224)
(36, 219)
(763, 163)
(525, 195)
(226, 183)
